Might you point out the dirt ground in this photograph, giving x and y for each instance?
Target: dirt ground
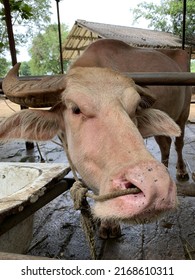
(57, 230)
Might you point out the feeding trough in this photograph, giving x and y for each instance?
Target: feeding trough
(24, 188)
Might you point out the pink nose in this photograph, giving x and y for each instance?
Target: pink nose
(157, 193)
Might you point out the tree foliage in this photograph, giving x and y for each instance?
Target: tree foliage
(45, 55)
(192, 65)
(28, 17)
(25, 69)
(168, 16)
(4, 66)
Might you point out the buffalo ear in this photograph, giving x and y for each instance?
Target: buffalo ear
(153, 122)
(147, 98)
(33, 125)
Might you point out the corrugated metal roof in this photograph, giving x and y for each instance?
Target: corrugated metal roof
(85, 32)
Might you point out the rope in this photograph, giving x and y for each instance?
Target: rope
(78, 194)
(65, 145)
(9, 105)
(113, 194)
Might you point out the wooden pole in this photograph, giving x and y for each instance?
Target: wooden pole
(10, 33)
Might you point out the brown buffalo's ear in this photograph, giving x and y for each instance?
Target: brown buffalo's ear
(34, 125)
(153, 122)
(147, 98)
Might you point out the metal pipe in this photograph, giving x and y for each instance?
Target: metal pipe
(145, 78)
(184, 25)
(163, 78)
(60, 37)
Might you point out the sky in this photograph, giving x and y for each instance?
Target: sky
(103, 11)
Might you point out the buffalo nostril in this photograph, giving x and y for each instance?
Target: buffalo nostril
(129, 185)
(132, 188)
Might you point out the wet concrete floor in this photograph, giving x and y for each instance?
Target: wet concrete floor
(58, 233)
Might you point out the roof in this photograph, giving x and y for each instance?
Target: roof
(84, 32)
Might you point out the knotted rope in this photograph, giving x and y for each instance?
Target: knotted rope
(78, 194)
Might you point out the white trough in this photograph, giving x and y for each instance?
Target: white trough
(21, 185)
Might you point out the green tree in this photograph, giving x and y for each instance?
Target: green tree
(28, 17)
(5, 65)
(25, 69)
(45, 55)
(167, 16)
(193, 65)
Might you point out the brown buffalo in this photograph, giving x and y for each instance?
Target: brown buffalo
(103, 116)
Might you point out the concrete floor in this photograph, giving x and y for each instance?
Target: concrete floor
(57, 229)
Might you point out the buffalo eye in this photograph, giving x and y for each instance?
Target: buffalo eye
(76, 110)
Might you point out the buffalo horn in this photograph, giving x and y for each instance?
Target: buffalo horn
(39, 92)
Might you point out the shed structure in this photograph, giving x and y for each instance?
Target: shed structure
(84, 32)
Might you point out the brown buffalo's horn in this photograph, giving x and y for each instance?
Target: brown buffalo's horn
(39, 92)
